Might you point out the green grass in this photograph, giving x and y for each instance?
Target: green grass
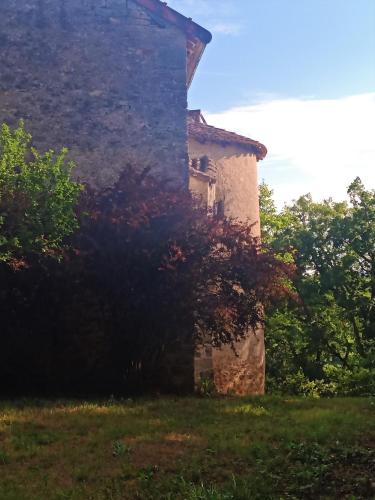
(188, 448)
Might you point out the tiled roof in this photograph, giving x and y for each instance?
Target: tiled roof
(201, 132)
(197, 37)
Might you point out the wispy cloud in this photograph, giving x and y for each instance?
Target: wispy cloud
(223, 28)
(314, 145)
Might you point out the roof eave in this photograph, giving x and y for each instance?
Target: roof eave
(195, 33)
(193, 62)
(256, 148)
(191, 28)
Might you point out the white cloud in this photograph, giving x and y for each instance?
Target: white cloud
(314, 145)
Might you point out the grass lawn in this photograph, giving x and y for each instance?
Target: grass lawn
(188, 448)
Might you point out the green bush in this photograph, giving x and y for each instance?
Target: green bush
(359, 382)
(337, 382)
(299, 385)
(37, 197)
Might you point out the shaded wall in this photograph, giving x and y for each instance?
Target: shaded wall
(99, 77)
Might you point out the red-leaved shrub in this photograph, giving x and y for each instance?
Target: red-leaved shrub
(148, 274)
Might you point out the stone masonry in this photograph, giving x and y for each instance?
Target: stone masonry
(104, 78)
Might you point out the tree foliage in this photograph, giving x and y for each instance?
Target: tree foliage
(37, 197)
(330, 330)
(148, 275)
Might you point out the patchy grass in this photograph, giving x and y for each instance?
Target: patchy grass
(188, 448)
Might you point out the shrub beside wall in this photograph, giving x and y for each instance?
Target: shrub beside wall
(147, 274)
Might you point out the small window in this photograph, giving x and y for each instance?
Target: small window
(195, 163)
(204, 163)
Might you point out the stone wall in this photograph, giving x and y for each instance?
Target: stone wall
(242, 370)
(237, 180)
(203, 187)
(100, 77)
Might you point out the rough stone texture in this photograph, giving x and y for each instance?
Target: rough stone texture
(100, 77)
(240, 371)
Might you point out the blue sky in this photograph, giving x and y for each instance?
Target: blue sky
(298, 75)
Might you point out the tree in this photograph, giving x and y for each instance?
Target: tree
(269, 218)
(148, 275)
(273, 224)
(196, 266)
(37, 197)
(333, 248)
(353, 279)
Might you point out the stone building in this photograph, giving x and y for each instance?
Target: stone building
(109, 80)
(223, 172)
(106, 78)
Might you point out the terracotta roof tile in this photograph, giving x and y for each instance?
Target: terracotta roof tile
(201, 132)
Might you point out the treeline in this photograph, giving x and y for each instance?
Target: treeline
(323, 343)
(109, 291)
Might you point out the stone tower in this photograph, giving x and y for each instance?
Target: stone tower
(223, 171)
